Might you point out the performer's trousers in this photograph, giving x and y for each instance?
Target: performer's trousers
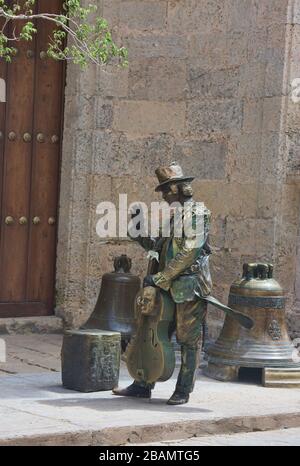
(188, 319)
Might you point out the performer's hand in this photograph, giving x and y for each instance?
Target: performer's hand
(148, 281)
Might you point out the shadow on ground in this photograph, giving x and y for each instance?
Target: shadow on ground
(116, 403)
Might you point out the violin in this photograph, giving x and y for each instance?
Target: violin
(150, 355)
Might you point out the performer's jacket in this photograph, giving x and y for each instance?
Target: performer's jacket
(183, 266)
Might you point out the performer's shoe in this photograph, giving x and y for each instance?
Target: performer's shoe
(178, 398)
(135, 390)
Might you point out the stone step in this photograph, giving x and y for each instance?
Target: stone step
(156, 432)
(31, 325)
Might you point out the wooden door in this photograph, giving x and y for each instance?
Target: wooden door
(30, 145)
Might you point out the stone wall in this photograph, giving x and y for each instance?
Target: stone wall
(209, 85)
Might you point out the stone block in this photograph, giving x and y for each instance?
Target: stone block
(145, 117)
(74, 316)
(285, 269)
(295, 14)
(91, 360)
(79, 111)
(93, 285)
(272, 112)
(270, 168)
(87, 80)
(204, 160)
(293, 322)
(135, 190)
(77, 260)
(82, 151)
(213, 194)
(264, 237)
(80, 193)
(73, 218)
(252, 77)
(237, 48)
(267, 45)
(294, 50)
(118, 155)
(208, 51)
(293, 147)
(72, 79)
(223, 199)
(295, 30)
(68, 153)
(267, 200)
(157, 79)
(103, 113)
(100, 189)
(143, 15)
(287, 240)
(109, 155)
(276, 42)
(155, 46)
(218, 51)
(189, 15)
(253, 116)
(101, 258)
(217, 232)
(250, 236)
(241, 15)
(31, 325)
(216, 84)
(257, 44)
(241, 199)
(111, 11)
(112, 81)
(141, 156)
(153, 152)
(73, 293)
(226, 267)
(272, 12)
(274, 80)
(104, 143)
(209, 116)
(293, 119)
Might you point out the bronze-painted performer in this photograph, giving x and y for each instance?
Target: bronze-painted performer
(182, 275)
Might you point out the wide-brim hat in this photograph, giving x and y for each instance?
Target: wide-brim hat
(171, 174)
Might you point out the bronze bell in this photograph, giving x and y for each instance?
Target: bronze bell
(114, 309)
(267, 345)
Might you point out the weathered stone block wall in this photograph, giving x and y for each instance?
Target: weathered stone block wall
(208, 85)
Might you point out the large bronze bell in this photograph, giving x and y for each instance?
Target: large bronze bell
(267, 345)
(114, 310)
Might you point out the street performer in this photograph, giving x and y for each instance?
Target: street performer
(182, 272)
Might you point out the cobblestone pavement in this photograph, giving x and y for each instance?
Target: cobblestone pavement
(284, 438)
(31, 354)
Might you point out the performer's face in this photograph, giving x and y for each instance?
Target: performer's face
(147, 301)
(170, 193)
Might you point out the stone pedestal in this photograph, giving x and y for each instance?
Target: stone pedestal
(281, 377)
(90, 360)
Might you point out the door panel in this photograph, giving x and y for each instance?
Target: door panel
(30, 175)
(45, 165)
(3, 75)
(16, 175)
